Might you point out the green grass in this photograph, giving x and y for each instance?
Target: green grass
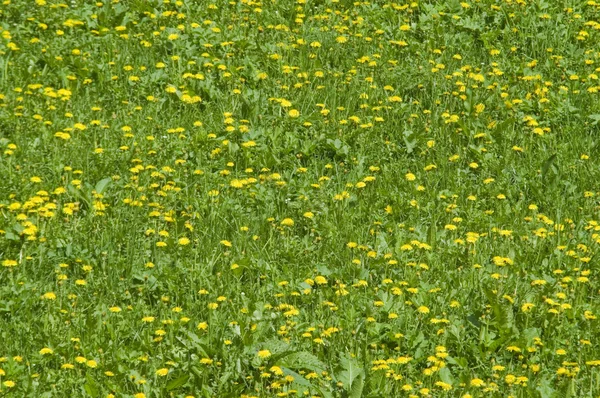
(312, 198)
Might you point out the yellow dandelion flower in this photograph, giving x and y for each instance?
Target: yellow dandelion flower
(162, 372)
(263, 354)
(287, 222)
(46, 351)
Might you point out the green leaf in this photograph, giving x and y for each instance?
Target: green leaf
(78, 194)
(446, 375)
(546, 166)
(432, 234)
(276, 347)
(357, 387)
(545, 389)
(528, 335)
(178, 382)
(595, 118)
(197, 343)
(503, 318)
(350, 371)
(498, 132)
(302, 360)
(102, 185)
(90, 387)
(10, 236)
(461, 362)
(233, 147)
(493, 345)
(298, 379)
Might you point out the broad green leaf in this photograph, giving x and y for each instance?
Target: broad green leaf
(357, 387)
(545, 389)
(298, 379)
(501, 128)
(446, 375)
(102, 185)
(302, 360)
(90, 387)
(350, 371)
(546, 166)
(178, 382)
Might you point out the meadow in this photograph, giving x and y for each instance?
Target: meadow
(316, 198)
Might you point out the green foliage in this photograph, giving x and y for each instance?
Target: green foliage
(323, 198)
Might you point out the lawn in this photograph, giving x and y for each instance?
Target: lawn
(316, 198)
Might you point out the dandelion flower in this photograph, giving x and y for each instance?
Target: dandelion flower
(263, 354)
